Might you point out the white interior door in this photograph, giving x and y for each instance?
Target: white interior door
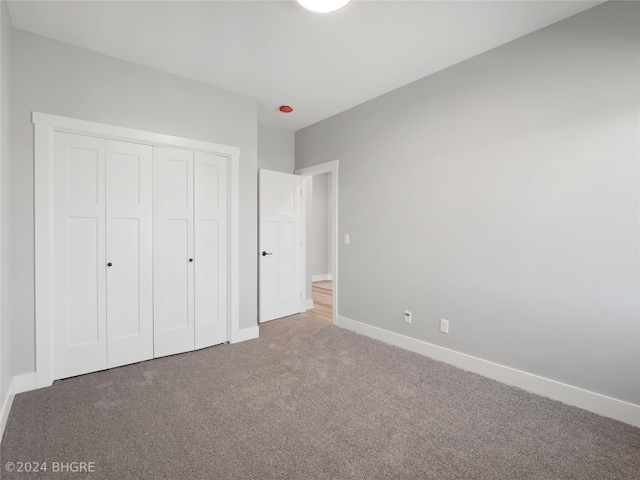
(129, 253)
(79, 255)
(173, 251)
(210, 184)
(280, 245)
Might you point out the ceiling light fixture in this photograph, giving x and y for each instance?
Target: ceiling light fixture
(323, 6)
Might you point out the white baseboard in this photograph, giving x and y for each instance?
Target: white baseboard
(308, 304)
(244, 334)
(319, 278)
(19, 384)
(578, 397)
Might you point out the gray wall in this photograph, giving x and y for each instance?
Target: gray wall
(502, 194)
(276, 149)
(6, 370)
(52, 77)
(318, 242)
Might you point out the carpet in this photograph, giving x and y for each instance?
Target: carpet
(308, 400)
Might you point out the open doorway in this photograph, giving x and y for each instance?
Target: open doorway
(320, 263)
(318, 234)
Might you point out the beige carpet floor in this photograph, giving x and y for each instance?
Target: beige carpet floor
(308, 400)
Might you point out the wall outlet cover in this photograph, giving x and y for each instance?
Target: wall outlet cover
(444, 325)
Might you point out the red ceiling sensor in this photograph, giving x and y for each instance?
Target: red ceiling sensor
(286, 109)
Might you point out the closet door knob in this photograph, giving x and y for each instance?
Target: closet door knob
(109, 264)
(264, 254)
(191, 259)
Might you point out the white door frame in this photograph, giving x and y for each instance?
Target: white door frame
(45, 126)
(328, 167)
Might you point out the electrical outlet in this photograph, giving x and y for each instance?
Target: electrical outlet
(444, 325)
(407, 316)
(347, 240)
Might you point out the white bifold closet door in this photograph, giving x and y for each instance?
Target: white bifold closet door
(190, 261)
(103, 309)
(130, 252)
(210, 225)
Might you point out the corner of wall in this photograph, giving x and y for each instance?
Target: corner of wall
(19, 384)
(276, 149)
(5, 374)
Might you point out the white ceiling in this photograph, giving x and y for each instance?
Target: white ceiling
(279, 53)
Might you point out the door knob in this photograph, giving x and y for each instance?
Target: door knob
(109, 264)
(191, 259)
(264, 254)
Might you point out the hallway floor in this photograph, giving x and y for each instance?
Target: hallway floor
(322, 293)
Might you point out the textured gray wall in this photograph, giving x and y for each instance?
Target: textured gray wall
(55, 78)
(276, 149)
(502, 194)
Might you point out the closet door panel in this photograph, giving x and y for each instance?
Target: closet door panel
(79, 310)
(173, 247)
(176, 270)
(83, 298)
(129, 251)
(208, 298)
(211, 249)
(123, 311)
